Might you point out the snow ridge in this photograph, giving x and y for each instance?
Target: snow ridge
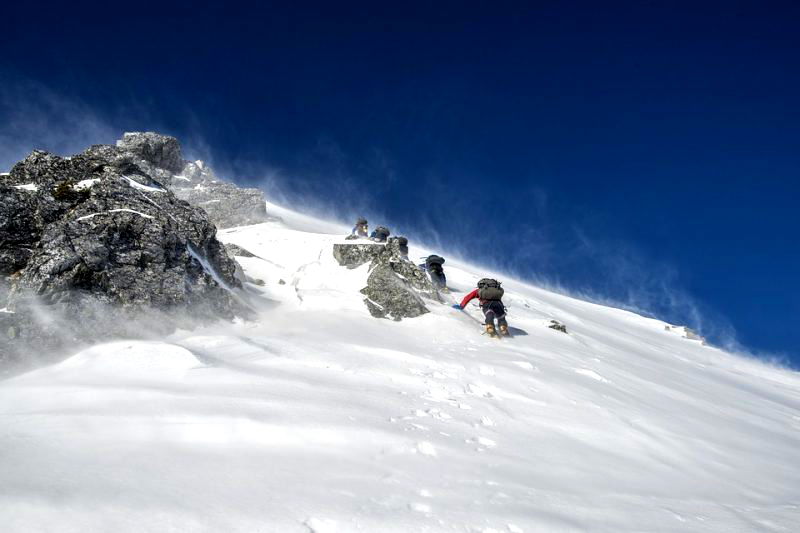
(318, 417)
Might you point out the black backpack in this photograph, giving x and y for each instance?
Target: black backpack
(434, 260)
(490, 289)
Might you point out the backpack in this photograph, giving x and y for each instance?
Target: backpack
(434, 260)
(490, 289)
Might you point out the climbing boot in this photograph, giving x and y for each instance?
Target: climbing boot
(503, 329)
(490, 330)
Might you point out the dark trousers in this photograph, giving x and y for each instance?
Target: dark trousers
(494, 310)
(438, 279)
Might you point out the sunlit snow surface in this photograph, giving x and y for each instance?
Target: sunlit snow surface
(318, 417)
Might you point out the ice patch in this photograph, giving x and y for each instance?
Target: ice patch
(87, 217)
(208, 267)
(85, 184)
(147, 188)
(27, 187)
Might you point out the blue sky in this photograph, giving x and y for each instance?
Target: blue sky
(645, 154)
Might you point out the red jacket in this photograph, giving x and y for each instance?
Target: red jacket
(469, 297)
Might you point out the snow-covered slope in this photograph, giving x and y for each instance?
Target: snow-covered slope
(318, 417)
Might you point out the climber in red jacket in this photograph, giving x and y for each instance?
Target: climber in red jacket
(490, 296)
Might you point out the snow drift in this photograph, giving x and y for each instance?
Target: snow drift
(318, 417)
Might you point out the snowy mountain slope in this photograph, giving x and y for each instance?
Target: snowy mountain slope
(317, 417)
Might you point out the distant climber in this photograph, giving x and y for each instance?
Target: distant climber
(490, 296)
(360, 230)
(380, 234)
(433, 266)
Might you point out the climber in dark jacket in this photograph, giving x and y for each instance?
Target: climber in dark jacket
(380, 234)
(360, 229)
(490, 297)
(433, 266)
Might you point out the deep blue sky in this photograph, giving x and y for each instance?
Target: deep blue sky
(645, 154)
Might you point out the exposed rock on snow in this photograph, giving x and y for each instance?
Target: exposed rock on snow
(159, 156)
(226, 204)
(355, 255)
(125, 241)
(395, 286)
(558, 326)
(161, 151)
(232, 249)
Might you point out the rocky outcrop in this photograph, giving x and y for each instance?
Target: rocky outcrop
(99, 235)
(389, 295)
(226, 204)
(395, 286)
(357, 254)
(233, 250)
(558, 326)
(160, 151)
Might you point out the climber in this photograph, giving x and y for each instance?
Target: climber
(490, 295)
(433, 266)
(360, 229)
(380, 234)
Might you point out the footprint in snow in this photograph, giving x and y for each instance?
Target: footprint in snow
(420, 507)
(321, 525)
(478, 390)
(483, 441)
(426, 448)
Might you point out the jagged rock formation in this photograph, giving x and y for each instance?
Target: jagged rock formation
(355, 255)
(226, 204)
(395, 286)
(233, 249)
(558, 326)
(102, 229)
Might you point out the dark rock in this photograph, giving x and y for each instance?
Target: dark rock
(558, 326)
(161, 151)
(226, 204)
(100, 229)
(391, 296)
(395, 286)
(357, 254)
(233, 249)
